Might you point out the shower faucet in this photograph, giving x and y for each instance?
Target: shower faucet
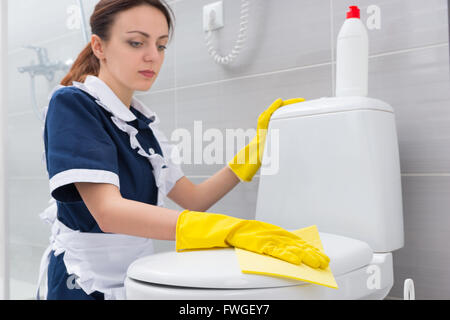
(45, 67)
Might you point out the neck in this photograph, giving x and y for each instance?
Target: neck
(124, 94)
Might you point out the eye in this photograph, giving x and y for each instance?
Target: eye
(132, 43)
(162, 48)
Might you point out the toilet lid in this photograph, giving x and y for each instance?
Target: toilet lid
(219, 268)
(331, 105)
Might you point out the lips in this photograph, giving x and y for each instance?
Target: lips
(147, 73)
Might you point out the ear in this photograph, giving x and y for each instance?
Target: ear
(97, 47)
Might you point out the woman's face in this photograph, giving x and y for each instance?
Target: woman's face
(138, 40)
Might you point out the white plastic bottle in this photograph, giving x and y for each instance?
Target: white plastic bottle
(352, 57)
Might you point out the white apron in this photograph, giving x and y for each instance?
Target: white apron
(100, 260)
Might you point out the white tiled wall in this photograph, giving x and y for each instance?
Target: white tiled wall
(289, 53)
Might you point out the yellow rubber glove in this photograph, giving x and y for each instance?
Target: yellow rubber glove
(201, 230)
(248, 161)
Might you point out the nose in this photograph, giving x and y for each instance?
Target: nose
(152, 54)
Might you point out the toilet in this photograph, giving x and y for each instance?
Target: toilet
(329, 162)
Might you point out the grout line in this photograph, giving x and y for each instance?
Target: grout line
(443, 174)
(403, 175)
(425, 174)
(333, 62)
(431, 46)
(241, 78)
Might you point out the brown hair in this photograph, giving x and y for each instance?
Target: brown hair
(101, 22)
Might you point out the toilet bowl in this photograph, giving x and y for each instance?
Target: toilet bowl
(215, 274)
(329, 162)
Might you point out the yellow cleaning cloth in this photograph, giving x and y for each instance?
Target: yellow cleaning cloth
(251, 262)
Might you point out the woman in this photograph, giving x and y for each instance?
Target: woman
(110, 167)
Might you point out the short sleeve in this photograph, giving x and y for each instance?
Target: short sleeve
(172, 155)
(77, 146)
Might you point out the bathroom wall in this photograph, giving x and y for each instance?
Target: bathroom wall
(290, 53)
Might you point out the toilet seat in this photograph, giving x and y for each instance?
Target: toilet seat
(219, 268)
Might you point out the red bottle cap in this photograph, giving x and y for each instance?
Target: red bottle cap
(353, 13)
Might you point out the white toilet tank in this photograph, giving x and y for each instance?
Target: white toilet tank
(335, 164)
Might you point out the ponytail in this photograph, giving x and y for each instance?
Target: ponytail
(86, 64)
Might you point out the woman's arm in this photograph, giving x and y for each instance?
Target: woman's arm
(115, 214)
(204, 195)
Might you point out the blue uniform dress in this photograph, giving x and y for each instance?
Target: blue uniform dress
(82, 144)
